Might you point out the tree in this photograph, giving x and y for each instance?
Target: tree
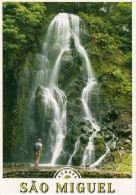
(23, 25)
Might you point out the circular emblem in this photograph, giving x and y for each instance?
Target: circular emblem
(66, 173)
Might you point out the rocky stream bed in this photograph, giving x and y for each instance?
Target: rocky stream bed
(27, 171)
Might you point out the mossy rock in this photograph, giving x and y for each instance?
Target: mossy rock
(99, 146)
(116, 156)
(63, 158)
(77, 158)
(84, 139)
(69, 142)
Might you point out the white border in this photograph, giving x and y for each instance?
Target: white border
(122, 186)
(134, 88)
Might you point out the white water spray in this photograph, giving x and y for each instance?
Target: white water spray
(76, 148)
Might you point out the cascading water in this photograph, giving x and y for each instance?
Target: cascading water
(48, 103)
(89, 153)
(75, 149)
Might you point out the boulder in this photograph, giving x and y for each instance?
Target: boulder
(84, 139)
(12, 164)
(130, 126)
(85, 122)
(108, 136)
(63, 159)
(104, 128)
(106, 118)
(43, 113)
(127, 141)
(110, 127)
(38, 101)
(124, 132)
(85, 128)
(99, 146)
(77, 158)
(113, 114)
(116, 156)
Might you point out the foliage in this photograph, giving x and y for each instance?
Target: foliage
(126, 164)
(22, 23)
(23, 26)
(109, 45)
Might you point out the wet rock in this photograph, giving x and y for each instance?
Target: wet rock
(106, 119)
(130, 137)
(100, 134)
(124, 132)
(113, 114)
(12, 164)
(110, 127)
(42, 123)
(84, 139)
(127, 141)
(104, 128)
(64, 157)
(85, 122)
(112, 146)
(117, 157)
(50, 172)
(89, 133)
(108, 136)
(85, 128)
(104, 174)
(99, 146)
(38, 102)
(24, 164)
(130, 126)
(77, 158)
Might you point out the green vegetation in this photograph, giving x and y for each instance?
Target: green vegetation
(110, 50)
(23, 28)
(122, 162)
(99, 146)
(108, 41)
(126, 164)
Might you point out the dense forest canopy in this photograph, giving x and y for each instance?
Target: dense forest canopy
(108, 32)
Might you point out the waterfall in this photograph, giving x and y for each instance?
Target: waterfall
(47, 104)
(89, 153)
(76, 148)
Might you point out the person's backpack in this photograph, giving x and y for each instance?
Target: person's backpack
(36, 147)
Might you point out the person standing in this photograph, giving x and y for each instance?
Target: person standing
(37, 153)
